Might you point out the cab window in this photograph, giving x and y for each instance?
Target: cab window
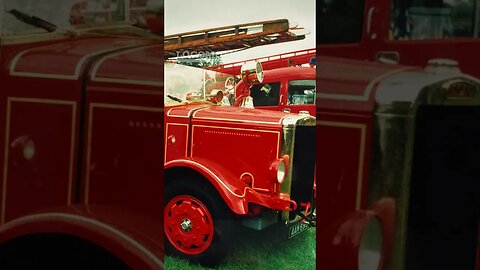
(340, 21)
(301, 92)
(433, 19)
(265, 94)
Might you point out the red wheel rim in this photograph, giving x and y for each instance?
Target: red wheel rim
(188, 224)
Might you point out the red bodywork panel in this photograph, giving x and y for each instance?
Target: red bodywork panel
(348, 85)
(197, 136)
(349, 131)
(91, 106)
(344, 108)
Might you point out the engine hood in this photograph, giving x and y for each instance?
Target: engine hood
(361, 86)
(69, 59)
(229, 115)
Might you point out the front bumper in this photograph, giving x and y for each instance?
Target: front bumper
(307, 218)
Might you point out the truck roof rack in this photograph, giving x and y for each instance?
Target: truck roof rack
(233, 37)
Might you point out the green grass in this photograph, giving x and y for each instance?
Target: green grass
(262, 250)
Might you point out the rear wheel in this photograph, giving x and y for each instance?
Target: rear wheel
(196, 222)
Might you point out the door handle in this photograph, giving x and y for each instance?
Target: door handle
(388, 57)
(286, 110)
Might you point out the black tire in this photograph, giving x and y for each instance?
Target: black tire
(220, 213)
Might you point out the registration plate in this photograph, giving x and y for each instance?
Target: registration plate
(297, 229)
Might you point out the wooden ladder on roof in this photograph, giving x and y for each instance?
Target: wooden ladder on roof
(232, 37)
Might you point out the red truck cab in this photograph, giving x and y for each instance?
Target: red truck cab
(288, 89)
(400, 31)
(289, 81)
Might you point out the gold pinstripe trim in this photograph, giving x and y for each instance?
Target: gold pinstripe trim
(253, 182)
(243, 129)
(236, 120)
(74, 76)
(7, 142)
(215, 176)
(126, 81)
(92, 106)
(166, 137)
(180, 116)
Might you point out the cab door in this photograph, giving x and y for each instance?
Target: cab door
(268, 95)
(412, 33)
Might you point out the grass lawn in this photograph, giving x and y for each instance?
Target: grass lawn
(262, 250)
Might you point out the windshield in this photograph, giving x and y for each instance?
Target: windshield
(301, 92)
(189, 84)
(64, 14)
(434, 19)
(340, 21)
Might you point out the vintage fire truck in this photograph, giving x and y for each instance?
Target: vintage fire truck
(82, 124)
(266, 179)
(398, 166)
(401, 31)
(85, 135)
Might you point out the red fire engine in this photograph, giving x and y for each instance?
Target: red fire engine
(401, 31)
(261, 186)
(82, 179)
(81, 118)
(397, 166)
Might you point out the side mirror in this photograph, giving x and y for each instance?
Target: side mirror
(216, 96)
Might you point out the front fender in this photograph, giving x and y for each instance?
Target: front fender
(234, 192)
(96, 225)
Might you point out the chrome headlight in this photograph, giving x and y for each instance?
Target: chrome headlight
(279, 169)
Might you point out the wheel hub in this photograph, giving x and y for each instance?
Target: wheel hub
(186, 225)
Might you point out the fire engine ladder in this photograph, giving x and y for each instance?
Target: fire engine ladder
(271, 62)
(232, 37)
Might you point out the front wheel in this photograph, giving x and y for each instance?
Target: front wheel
(195, 222)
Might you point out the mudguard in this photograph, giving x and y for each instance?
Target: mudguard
(234, 192)
(127, 235)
